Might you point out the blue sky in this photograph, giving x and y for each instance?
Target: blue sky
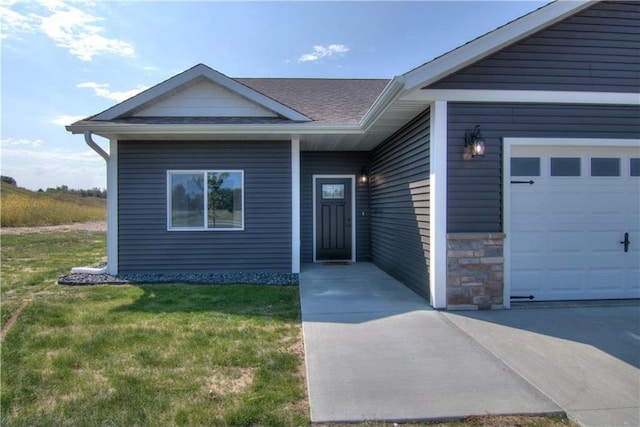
(65, 60)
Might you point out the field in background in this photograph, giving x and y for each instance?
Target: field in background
(20, 207)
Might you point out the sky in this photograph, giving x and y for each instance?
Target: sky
(62, 61)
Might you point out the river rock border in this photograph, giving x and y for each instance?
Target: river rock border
(272, 279)
(475, 271)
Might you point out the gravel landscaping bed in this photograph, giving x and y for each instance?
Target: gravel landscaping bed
(275, 279)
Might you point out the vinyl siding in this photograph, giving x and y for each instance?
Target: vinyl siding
(333, 163)
(596, 50)
(400, 205)
(474, 187)
(145, 245)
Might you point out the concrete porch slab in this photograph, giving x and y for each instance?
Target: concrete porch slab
(377, 351)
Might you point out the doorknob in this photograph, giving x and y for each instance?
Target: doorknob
(626, 242)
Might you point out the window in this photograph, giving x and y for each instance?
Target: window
(525, 166)
(565, 166)
(605, 166)
(332, 191)
(205, 200)
(634, 166)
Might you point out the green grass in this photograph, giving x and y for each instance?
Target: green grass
(24, 208)
(157, 355)
(31, 263)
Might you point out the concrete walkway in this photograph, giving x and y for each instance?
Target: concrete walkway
(377, 351)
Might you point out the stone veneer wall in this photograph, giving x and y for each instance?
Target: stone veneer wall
(475, 271)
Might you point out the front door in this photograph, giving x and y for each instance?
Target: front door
(333, 219)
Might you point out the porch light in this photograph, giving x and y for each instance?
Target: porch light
(363, 176)
(474, 143)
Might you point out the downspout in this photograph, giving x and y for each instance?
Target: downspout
(95, 147)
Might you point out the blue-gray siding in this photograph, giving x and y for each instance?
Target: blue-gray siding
(333, 163)
(474, 188)
(400, 205)
(597, 49)
(145, 245)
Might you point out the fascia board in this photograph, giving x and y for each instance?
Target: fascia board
(525, 96)
(168, 129)
(185, 77)
(492, 42)
(390, 93)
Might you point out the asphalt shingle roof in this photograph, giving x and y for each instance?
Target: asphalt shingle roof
(343, 101)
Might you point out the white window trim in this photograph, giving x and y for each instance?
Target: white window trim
(204, 173)
(353, 212)
(507, 144)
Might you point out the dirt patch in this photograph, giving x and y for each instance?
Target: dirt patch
(12, 318)
(225, 381)
(77, 226)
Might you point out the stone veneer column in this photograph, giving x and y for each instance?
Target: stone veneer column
(475, 271)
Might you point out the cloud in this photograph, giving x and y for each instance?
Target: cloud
(102, 90)
(20, 142)
(68, 26)
(65, 120)
(320, 52)
(36, 168)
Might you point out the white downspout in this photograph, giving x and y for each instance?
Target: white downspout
(95, 147)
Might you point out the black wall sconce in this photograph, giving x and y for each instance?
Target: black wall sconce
(363, 176)
(473, 144)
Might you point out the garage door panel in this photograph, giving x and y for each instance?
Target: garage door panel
(565, 232)
(567, 242)
(562, 280)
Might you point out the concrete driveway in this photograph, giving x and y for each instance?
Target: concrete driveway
(377, 351)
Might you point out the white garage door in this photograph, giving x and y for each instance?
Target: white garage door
(568, 228)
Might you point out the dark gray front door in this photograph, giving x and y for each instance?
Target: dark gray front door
(333, 219)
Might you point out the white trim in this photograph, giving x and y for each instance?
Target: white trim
(382, 103)
(112, 208)
(526, 96)
(507, 144)
(295, 205)
(200, 129)
(353, 212)
(493, 41)
(191, 75)
(438, 205)
(204, 220)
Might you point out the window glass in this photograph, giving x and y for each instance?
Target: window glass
(221, 209)
(187, 199)
(333, 191)
(565, 166)
(605, 166)
(224, 200)
(525, 166)
(634, 166)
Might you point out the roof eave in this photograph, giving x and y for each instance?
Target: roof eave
(202, 129)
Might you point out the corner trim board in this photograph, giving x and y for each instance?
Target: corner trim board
(438, 205)
(112, 208)
(295, 205)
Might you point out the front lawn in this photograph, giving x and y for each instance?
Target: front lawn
(149, 355)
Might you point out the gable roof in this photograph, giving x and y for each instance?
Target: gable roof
(491, 42)
(182, 80)
(325, 113)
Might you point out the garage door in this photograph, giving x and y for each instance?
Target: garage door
(575, 223)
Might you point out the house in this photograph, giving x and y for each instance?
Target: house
(506, 168)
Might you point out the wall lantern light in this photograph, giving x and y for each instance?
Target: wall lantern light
(363, 176)
(473, 144)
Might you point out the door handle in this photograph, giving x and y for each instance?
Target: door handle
(626, 242)
(348, 221)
